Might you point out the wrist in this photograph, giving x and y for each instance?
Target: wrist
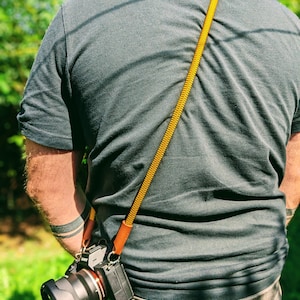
(72, 228)
(290, 212)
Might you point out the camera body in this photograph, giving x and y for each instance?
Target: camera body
(115, 280)
(92, 277)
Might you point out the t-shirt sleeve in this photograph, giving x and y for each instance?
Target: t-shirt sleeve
(46, 115)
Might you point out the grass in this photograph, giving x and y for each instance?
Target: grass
(27, 262)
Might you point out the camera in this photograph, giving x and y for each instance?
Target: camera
(92, 277)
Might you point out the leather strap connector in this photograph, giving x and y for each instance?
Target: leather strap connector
(121, 237)
(89, 228)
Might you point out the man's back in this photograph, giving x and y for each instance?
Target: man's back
(212, 224)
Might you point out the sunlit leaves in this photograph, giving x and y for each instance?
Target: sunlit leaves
(294, 5)
(22, 25)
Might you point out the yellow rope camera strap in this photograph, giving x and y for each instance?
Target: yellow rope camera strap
(127, 224)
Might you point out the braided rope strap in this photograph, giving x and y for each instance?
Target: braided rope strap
(127, 224)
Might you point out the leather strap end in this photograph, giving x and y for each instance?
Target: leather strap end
(121, 237)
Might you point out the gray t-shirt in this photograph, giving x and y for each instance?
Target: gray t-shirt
(108, 75)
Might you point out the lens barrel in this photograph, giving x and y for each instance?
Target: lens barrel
(83, 285)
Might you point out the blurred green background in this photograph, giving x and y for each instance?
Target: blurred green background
(29, 253)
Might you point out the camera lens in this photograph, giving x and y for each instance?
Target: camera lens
(84, 285)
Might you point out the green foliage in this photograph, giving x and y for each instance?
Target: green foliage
(291, 274)
(11, 165)
(22, 24)
(293, 5)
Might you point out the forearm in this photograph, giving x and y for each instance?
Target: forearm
(51, 184)
(67, 228)
(291, 181)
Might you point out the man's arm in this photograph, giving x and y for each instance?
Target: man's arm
(51, 184)
(291, 181)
